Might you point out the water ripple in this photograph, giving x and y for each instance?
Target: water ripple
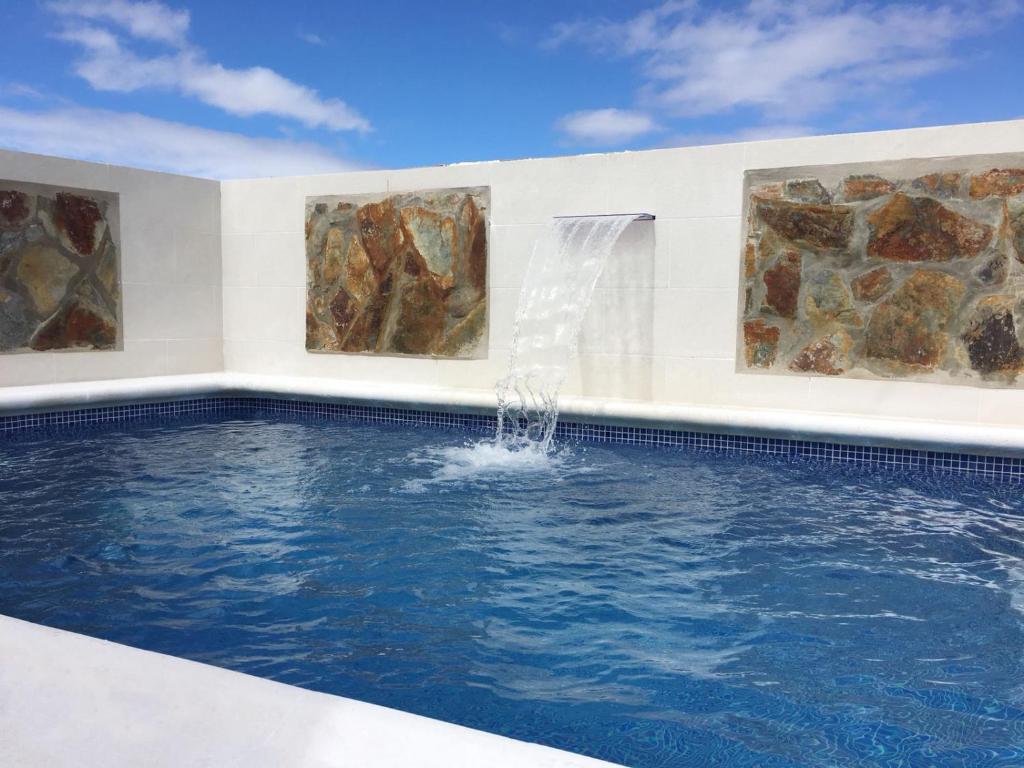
(650, 607)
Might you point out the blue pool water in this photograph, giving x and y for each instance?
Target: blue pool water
(650, 607)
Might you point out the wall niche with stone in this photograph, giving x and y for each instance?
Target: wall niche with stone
(899, 270)
(398, 274)
(60, 286)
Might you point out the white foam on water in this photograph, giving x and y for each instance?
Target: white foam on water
(487, 460)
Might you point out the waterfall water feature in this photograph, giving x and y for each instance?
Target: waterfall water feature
(560, 279)
(563, 270)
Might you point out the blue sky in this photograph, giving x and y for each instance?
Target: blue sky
(234, 89)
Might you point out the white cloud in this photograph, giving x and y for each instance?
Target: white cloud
(145, 142)
(801, 57)
(20, 91)
(606, 126)
(107, 65)
(311, 37)
(147, 20)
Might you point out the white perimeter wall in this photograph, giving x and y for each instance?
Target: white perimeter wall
(663, 324)
(214, 275)
(170, 273)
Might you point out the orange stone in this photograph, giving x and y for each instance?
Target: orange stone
(826, 356)
(417, 323)
(78, 324)
(381, 233)
(921, 229)
(761, 343)
(866, 187)
(1001, 182)
(939, 184)
(77, 217)
(871, 285)
(819, 226)
(1011, 231)
(910, 326)
(782, 285)
(750, 260)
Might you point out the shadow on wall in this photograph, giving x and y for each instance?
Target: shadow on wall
(617, 338)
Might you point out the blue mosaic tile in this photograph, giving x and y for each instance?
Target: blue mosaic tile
(906, 459)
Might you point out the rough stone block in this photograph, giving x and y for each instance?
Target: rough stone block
(60, 285)
(402, 274)
(900, 269)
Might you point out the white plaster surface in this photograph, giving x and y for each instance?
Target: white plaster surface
(214, 276)
(662, 328)
(68, 701)
(170, 271)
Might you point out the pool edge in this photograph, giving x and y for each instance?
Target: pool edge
(75, 700)
(754, 422)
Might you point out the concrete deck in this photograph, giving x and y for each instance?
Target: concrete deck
(69, 701)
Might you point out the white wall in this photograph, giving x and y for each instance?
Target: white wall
(170, 272)
(663, 325)
(214, 275)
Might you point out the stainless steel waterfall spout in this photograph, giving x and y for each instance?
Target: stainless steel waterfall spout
(636, 216)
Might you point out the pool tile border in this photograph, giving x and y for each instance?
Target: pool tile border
(910, 459)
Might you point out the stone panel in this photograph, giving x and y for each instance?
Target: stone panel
(910, 269)
(402, 274)
(60, 286)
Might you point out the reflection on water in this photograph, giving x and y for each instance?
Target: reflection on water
(651, 607)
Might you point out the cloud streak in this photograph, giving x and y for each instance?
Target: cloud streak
(108, 65)
(146, 20)
(146, 142)
(783, 59)
(606, 127)
(311, 37)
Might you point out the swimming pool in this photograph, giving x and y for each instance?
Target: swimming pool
(652, 607)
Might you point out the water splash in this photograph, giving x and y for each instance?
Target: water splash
(483, 461)
(563, 270)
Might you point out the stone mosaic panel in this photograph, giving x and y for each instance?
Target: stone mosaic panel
(60, 286)
(399, 274)
(912, 269)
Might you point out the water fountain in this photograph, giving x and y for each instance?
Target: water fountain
(563, 270)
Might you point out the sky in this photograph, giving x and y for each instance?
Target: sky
(227, 89)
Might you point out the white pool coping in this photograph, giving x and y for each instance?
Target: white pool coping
(804, 425)
(67, 700)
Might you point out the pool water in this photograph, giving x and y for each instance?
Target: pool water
(652, 607)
